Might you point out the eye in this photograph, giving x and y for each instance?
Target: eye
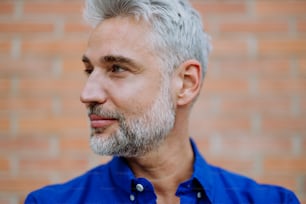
(88, 71)
(115, 68)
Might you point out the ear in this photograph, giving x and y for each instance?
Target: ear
(189, 76)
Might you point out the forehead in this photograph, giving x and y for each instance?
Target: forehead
(121, 36)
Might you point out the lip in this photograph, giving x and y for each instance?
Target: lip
(97, 121)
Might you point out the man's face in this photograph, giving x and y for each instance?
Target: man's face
(127, 95)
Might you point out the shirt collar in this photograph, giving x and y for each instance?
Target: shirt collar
(123, 176)
(202, 172)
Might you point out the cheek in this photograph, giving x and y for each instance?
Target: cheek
(135, 97)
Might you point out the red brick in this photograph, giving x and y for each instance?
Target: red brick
(4, 164)
(77, 27)
(283, 124)
(285, 180)
(301, 26)
(53, 165)
(229, 48)
(6, 8)
(58, 8)
(26, 104)
(239, 165)
(26, 66)
(24, 144)
(25, 27)
(75, 144)
(53, 47)
(70, 64)
(5, 86)
(220, 8)
(303, 189)
(15, 185)
(253, 26)
(274, 47)
(303, 105)
(74, 67)
(5, 47)
(225, 86)
(302, 67)
(203, 143)
(204, 104)
(302, 197)
(225, 124)
(260, 105)
(285, 165)
(303, 152)
(281, 86)
(73, 105)
(4, 124)
(278, 68)
(52, 124)
(251, 145)
(268, 8)
(5, 200)
(49, 87)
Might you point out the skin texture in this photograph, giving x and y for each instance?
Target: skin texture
(132, 91)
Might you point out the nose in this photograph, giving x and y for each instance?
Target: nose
(93, 91)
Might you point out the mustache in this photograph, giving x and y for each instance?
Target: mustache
(100, 111)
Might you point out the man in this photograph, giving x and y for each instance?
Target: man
(145, 61)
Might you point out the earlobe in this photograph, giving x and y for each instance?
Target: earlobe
(190, 74)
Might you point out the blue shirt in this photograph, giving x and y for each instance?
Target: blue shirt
(115, 183)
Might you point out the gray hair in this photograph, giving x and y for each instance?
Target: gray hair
(177, 27)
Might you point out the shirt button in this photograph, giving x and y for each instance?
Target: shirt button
(132, 197)
(199, 195)
(139, 187)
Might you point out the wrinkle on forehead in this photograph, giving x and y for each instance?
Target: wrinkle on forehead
(122, 36)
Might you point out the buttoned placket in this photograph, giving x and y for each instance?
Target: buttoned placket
(132, 197)
(139, 188)
(142, 192)
(191, 192)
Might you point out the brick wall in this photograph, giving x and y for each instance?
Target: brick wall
(250, 117)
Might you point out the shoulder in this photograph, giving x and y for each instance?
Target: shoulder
(244, 189)
(223, 186)
(70, 191)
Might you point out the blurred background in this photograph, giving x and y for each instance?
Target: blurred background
(250, 117)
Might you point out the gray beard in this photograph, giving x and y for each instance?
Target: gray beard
(139, 135)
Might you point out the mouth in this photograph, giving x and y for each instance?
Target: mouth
(97, 121)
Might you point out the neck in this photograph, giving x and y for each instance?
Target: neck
(166, 167)
(170, 164)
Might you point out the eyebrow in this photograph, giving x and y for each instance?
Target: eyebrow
(111, 59)
(117, 59)
(85, 59)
